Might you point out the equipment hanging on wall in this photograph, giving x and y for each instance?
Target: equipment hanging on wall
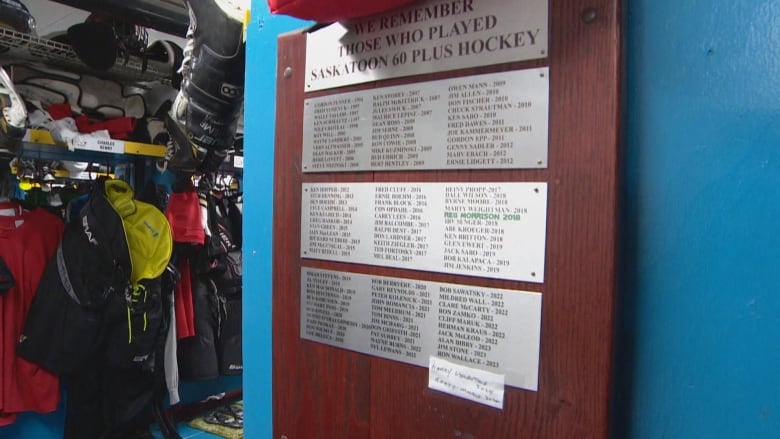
(14, 116)
(205, 113)
(98, 316)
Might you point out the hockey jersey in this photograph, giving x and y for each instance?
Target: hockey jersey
(27, 242)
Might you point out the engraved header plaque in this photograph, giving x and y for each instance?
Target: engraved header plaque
(429, 36)
(492, 121)
(409, 320)
(494, 230)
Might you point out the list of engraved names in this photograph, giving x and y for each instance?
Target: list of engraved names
(410, 320)
(490, 121)
(482, 229)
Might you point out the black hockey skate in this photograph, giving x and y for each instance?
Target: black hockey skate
(202, 122)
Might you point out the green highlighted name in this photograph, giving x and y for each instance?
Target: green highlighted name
(483, 216)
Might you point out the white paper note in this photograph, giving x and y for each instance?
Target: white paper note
(466, 382)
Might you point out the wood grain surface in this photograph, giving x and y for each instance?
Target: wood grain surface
(328, 393)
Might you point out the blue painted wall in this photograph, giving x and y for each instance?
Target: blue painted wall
(259, 120)
(699, 332)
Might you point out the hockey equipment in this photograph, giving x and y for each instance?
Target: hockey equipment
(28, 240)
(14, 15)
(205, 113)
(101, 283)
(13, 122)
(169, 53)
(95, 43)
(98, 316)
(86, 94)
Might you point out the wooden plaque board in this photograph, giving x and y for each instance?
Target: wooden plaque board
(321, 391)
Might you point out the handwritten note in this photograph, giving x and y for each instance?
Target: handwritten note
(466, 382)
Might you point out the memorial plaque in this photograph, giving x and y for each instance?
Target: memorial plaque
(494, 230)
(429, 36)
(492, 121)
(409, 320)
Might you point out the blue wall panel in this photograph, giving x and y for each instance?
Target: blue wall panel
(698, 352)
(259, 120)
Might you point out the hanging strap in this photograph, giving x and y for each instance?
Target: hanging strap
(64, 278)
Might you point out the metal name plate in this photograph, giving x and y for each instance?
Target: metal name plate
(494, 230)
(426, 37)
(493, 121)
(409, 320)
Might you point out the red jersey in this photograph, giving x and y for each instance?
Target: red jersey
(27, 242)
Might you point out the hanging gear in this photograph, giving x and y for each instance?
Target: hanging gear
(92, 265)
(224, 219)
(205, 113)
(13, 122)
(216, 348)
(98, 315)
